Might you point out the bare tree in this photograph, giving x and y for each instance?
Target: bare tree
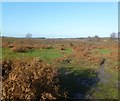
(96, 37)
(113, 36)
(89, 38)
(29, 35)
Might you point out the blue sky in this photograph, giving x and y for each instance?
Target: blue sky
(52, 20)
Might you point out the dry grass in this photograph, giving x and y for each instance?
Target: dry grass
(22, 48)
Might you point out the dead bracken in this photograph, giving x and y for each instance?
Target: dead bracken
(36, 81)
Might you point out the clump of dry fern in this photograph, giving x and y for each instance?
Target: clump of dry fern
(29, 79)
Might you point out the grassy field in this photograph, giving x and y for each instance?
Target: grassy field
(45, 54)
(78, 63)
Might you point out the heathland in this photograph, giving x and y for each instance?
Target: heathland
(34, 68)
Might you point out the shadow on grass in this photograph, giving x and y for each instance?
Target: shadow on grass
(79, 84)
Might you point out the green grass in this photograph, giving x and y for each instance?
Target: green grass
(45, 54)
(70, 73)
(108, 90)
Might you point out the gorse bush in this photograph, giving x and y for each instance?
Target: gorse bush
(30, 79)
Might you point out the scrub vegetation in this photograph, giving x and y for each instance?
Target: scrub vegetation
(47, 69)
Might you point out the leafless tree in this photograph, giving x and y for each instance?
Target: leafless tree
(89, 38)
(97, 38)
(29, 35)
(113, 36)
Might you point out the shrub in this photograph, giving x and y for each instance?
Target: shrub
(21, 48)
(31, 79)
(29, 46)
(71, 44)
(11, 46)
(62, 48)
(47, 47)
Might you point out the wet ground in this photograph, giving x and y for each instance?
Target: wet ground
(84, 83)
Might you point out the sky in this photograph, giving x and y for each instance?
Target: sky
(59, 19)
(60, 0)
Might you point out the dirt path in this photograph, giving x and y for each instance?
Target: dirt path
(104, 77)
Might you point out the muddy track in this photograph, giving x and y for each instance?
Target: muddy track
(101, 71)
(100, 78)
